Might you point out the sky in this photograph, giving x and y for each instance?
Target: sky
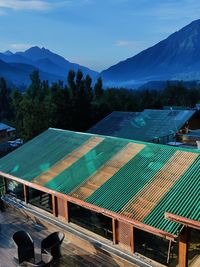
(93, 33)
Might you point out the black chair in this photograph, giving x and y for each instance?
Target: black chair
(25, 246)
(52, 243)
(46, 260)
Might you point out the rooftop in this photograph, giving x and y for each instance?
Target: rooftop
(145, 126)
(6, 127)
(135, 180)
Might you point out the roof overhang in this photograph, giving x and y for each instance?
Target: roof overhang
(182, 220)
(114, 215)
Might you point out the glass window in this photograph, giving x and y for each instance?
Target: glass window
(194, 248)
(14, 188)
(40, 199)
(156, 248)
(91, 220)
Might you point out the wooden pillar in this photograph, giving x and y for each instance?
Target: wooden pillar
(66, 208)
(114, 231)
(132, 239)
(5, 185)
(54, 205)
(26, 194)
(183, 247)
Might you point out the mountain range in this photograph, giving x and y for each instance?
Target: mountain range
(175, 58)
(16, 67)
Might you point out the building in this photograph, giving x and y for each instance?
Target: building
(6, 134)
(141, 197)
(151, 125)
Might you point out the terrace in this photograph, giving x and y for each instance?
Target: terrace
(73, 253)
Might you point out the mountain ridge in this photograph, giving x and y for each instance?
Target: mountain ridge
(178, 53)
(51, 66)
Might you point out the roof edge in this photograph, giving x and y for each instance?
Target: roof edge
(137, 224)
(182, 220)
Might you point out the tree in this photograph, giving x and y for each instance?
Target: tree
(71, 83)
(34, 89)
(98, 88)
(4, 99)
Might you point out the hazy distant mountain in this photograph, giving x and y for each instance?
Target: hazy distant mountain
(18, 73)
(176, 57)
(51, 66)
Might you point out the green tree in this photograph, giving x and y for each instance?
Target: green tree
(4, 100)
(98, 88)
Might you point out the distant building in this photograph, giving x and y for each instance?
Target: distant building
(141, 197)
(151, 125)
(6, 134)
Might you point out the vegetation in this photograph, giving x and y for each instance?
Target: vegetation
(78, 104)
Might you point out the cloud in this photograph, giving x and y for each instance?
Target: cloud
(39, 5)
(132, 45)
(172, 10)
(19, 47)
(25, 4)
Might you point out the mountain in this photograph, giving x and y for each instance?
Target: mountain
(50, 65)
(53, 63)
(18, 73)
(176, 57)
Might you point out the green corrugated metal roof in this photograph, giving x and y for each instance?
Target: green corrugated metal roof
(145, 126)
(136, 174)
(83, 168)
(128, 180)
(183, 200)
(41, 153)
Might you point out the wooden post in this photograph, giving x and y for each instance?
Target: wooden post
(54, 205)
(5, 185)
(132, 239)
(66, 209)
(26, 194)
(114, 231)
(183, 248)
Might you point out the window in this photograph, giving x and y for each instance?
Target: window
(155, 247)
(91, 220)
(40, 199)
(15, 189)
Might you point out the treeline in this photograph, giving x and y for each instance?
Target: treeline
(78, 105)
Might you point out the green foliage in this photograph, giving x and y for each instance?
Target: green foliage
(78, 105)
(4, 100)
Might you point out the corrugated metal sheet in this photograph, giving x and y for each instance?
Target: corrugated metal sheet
(6, 127)
(84, 167)
(41, 153)
(139, 180)
(144, 126)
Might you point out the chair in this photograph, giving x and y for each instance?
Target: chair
(25, 246)
(52, 243)
(46, 260)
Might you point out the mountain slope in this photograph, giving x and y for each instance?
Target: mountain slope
(16, 67)
(18, 73)
(61, 65)
(173, 57)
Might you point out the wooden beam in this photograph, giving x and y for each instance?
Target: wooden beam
(66, 209)
(114, 231)
(132, 244)
(54, 205)
(183, 247)
(92, 207)
(182, 220)
(26, 194)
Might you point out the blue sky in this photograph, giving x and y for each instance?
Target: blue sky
(94, 33)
